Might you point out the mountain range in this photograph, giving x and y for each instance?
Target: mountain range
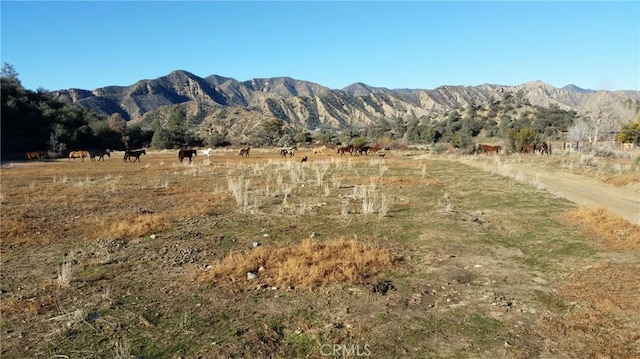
(217, 101)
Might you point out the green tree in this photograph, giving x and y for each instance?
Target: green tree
(272, 131)
(162, 138)
(517, 139)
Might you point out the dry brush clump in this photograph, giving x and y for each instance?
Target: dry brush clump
(309, 264)
(622, 180)
(615, 232)
(602, 321)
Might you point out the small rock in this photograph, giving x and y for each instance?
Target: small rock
(256, 244)
(153, 236)
(251, 275)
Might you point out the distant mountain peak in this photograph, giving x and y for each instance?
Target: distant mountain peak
(574, 88)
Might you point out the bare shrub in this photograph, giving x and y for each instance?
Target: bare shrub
(65, 275)
(623, 179)
(121, 350)
(616, 233)
(320, 171)
(239, 188)
(444, 204)
(345, 213)
(383, 208)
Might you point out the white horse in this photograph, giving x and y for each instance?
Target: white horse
(208, 151)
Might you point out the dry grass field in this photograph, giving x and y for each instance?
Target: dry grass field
(341, 256)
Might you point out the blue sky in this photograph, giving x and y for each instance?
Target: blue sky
(417, 44)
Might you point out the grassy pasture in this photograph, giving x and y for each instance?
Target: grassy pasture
(149, 260)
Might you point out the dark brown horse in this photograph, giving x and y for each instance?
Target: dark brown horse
(128, 154)
(99, 154)
(342, 150)
(182, 154)
(244, 152)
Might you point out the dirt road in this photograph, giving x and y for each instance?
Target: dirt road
(578, 189)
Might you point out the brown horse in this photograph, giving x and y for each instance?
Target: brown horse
(342, 150)
(488, 149)
(78, 154)
(244, 152)
(530, 148)
(99, 154)
(35, 155)
(182, 154)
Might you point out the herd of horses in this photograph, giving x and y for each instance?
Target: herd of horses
(94, 155)
(357, 150)
(134, 155)
(542, 148)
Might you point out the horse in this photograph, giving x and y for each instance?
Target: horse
(288, 151)
(545, 149)
(186, 153)
(78, 154)
(530, 148)
(364, 149)
(99, 154)
(490, 149)
(292, 151)
(208, 151)
(342, 150)
(35, 155)
(244, 152)
(319, 149)
(128, 154)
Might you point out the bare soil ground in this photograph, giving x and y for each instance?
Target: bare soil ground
(117, 260)
(579, 189)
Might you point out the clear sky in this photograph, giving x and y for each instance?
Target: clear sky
(417, 44)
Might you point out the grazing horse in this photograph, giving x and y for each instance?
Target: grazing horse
(99, 154)
(244, 152)
(35, 155)
(182, 154)
(78, 154)
(490, 149)
(530, 148)
(208, 151)
(128, 154)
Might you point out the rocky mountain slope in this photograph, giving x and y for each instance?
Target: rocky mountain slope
(310, 105)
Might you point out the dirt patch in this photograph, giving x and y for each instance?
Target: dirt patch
(578, 189)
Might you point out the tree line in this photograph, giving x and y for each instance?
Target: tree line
(34, 121)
